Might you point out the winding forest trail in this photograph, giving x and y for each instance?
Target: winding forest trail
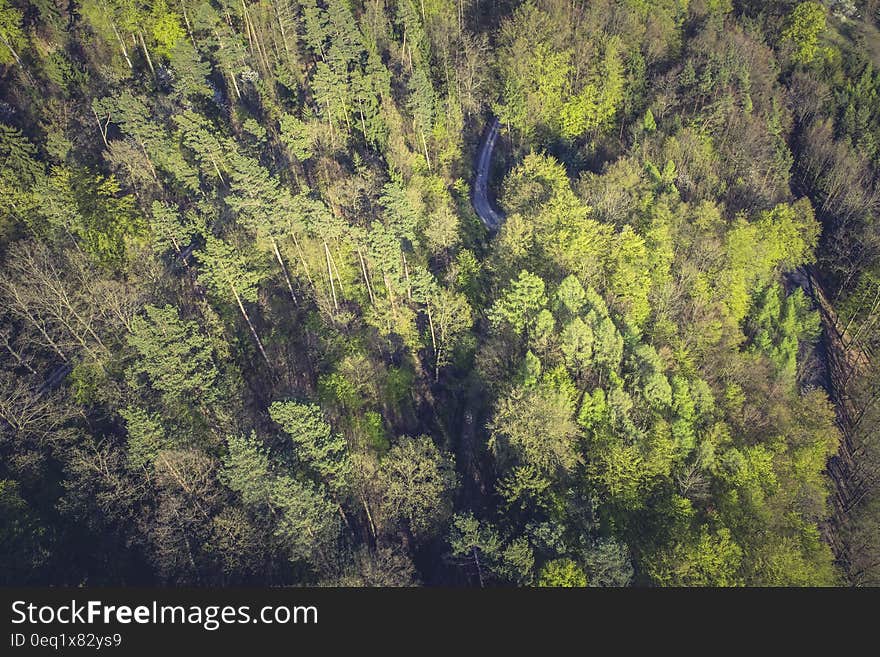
(488, 215)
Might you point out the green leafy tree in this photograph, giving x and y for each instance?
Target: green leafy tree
(12, 38)
(802, 30)
(417, 480)
(562, 573)
(710, 558)
(169, 230)
(535, 426)
(308, 525)
(146, 436)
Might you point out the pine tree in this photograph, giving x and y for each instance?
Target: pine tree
(174, 356)
(316, 444)
(225, 271)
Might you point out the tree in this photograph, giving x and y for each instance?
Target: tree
(297, 136)
(308, 525)
(256, 197)
(64, 303)
(169, 231)
(174, 356)
(710, 558)
(449, 320)
(422, 103)
(416, 480)
(225, 271)
(11, 35)
(534, 425)
(802, 30)
(520, 303)
(246, 469)
(20, 172)
(475, 543)
(316, 444)
(562, 573)
(630, 281)
(146, 437)
(191, 72)
(200, 137)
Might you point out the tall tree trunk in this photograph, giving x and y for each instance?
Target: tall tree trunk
(146, 52)
(250, 324)
(330, 274)
(284, 271)
(302, 259)
(188, 26)
(366, 276)
(121, 45)
(434, 344)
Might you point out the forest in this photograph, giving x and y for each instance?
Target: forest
(253, 331)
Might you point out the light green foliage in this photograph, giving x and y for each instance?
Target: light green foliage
(709, 558)
(630, 280)
(607, 340)
(623, 372)
(651, 381)
(169, 230)
(778, 324)
(11, 34)
(105, 219)
(297, 136)
(619, 472)
(783, 237)
(577, 345)
(571, 295)
(649, 124)
(19, 172)
(520, 303)
(544, 94)
(548, 229)
(226, 272)
(167, 32)
(476, 546)
(191, 72)
(308, 523)
(596, 104)
(468, 535)
(563, 573)
(451, 318)
(802, 30)
(523, 486)
(518, 562)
